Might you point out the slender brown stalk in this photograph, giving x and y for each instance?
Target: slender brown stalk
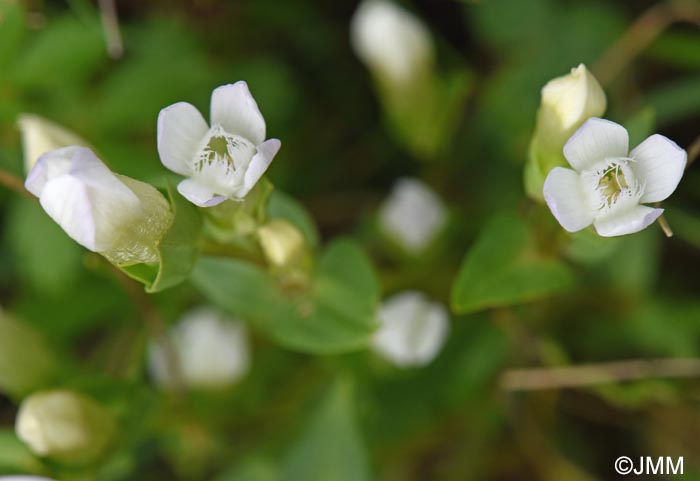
(640, 35)
(15, 184)
(110, 25)
(596, 374)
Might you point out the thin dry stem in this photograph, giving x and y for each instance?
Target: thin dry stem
(110, 25)
(15, 184)
(596, 374)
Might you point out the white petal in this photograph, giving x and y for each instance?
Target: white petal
(235, 109)
(199, 194)
(181, 128)
(627, 222)
(594, 141)
(258, 165)
(565, 198)
(659, 164)
(49, 165)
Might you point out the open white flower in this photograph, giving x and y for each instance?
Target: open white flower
(412, 215)
(223, 161)
(211, 351)
(412, 329)
(390, 40)
(119, 217)
(608, 183)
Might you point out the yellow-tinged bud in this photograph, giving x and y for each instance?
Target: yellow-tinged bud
(567, 102)
(40, 135)
(65, 426)
(286, 250)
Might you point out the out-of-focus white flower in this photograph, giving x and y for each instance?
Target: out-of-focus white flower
(391, 41)
(64, 425)
(412, 215)
(608, 184)
(412, 329)
(211, 351)
(40, 135)
(223, 161)
(119, 217)
(566, 103)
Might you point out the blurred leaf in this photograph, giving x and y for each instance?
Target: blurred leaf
(66, 53)
(44, 255)
(283, 206)
(335, 314)
(177, 250)
(257, 469)
(331, 447)
(675, 100)
(12, 30)
(15, 457)
(677, 48)
(503, 268)
(685, 225)
(640, 126)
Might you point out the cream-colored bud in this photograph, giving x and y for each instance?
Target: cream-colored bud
(286, 251)
(40, 135)
(65, 426)
(567, 102)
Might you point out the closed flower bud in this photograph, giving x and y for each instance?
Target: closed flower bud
(413, 215)
(412, 329)
(211, 351)
(286, 251)
(65, 426)
(119, 217)
(394, 44)
(567, 102)
(40, 135)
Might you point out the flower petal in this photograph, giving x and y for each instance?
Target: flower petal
(627, 222)
(594, 141)
(565, 198)
(235, 109)
(258, 165)
(181, 128)
(659, 164)
(199, 194)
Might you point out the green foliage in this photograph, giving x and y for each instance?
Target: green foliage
(282, 206)
(504, 267)
(334, 314)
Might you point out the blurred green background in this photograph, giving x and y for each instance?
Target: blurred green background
(351, 417)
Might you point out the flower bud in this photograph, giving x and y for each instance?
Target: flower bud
(119, 217)
(412, 329)
(286, 251)
(40, 135)
(392, 42)
(211, 351)
(65, 426)
(413, 215)
(566, 103)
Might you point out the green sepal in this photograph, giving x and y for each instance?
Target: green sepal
(177, 249)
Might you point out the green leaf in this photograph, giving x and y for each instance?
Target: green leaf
(177, 250)
(503, 268)
(331, 447)
(640, 126)
(335, 314)
(254, 469)
(283, 206)
(15, 457)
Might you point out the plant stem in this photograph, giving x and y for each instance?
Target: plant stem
(110, 25)
(594, 374)
(15, 184)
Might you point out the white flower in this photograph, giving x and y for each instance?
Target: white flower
(64, 425)
(114, 215)
(211, 351)
(608, 184)
(390, 40)
(223, 161)
(573, 98)
(412, 329)
(412, 215)
(40, 135)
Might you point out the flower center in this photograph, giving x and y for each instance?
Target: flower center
(225, 150)
(611, 184)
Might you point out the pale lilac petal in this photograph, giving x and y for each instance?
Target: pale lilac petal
(565, 198)
(658, 164)
(199, 194)
(627, 222)
(235, 109)
(49, 165)
(181, 129)
(259, 164)
(594, 141)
